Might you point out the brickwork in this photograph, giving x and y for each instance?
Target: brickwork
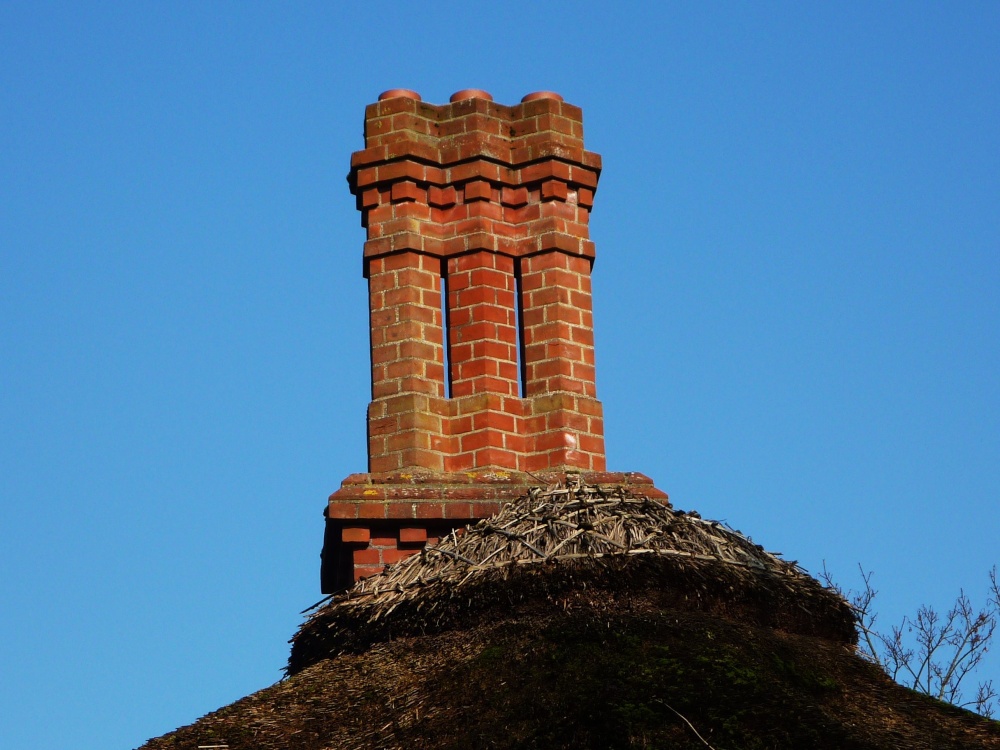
(481, 324)
(478, 259)
(374, 520)
(407, 415)
(483, 195)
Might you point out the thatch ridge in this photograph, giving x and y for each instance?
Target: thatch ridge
(554, 543)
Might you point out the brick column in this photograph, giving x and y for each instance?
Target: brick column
(481, 321)
(408, 412)
(483, 361)
(565, 417)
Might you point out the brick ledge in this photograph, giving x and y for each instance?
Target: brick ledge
(456, 495)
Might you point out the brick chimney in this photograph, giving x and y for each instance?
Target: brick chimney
(478, 260)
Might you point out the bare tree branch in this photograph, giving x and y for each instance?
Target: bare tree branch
(684, 718)
(933, 653)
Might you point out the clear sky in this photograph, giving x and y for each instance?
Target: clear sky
(796, 301)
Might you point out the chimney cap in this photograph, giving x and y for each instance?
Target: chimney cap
(541, 95)
(399, 94)
(464, 94)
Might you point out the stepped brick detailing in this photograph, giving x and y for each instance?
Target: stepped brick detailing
(478, 261)
(478, 195)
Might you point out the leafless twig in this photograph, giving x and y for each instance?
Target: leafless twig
(933, 652)
(684, 719)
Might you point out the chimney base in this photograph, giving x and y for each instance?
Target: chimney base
(378, 519)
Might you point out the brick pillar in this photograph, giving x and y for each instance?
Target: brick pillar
(407, 415)
(565, 417)
(490, 197)
(481, 321)
(483, 361)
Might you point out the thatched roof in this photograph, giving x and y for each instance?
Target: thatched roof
(573, 541)
(585, 617)
(588, 680)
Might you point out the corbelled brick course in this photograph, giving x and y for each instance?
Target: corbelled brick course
(478, 259)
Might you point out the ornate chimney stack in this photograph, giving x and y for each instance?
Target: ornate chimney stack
(491, 204)
(478, 262)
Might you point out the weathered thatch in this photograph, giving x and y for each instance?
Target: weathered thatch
(591, 680)
(585, 617)
(578, 544)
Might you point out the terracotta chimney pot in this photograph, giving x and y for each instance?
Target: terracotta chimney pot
(464, 94)
(398, 94)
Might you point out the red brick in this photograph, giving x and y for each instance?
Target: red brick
(460, 461)
(592, 444)
(583, 371)
(473, 441)
(366, 556)
(582, 336)
(442, 196)
(418, 349)
(460, 492)
(401, 510)
(355, 534)
(367, 571)
(390, 556)
(356, 479)
(549, 441)
(516, 443)
(430, 510)
(483, 209)
(563, 278)
(503, 316)
(485, 510)
(570, 385)
(382, 539)
(535, 462)
(514, 196)
(384, 388)
(478, 330)
(496, 457)
(412, 535)
(371, 510)
(422, 459)
(474, 296)
(554, 190)
(477, 190)
(548, 368)
(370, 198)
(458, 510)
(416, 277)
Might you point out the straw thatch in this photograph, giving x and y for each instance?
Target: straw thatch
(585, 617)
(580, 545)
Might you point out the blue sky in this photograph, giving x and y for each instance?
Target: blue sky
(796, 305)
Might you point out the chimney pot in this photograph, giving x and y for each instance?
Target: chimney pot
(399, 93)
(541, 95)
(464, 94)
